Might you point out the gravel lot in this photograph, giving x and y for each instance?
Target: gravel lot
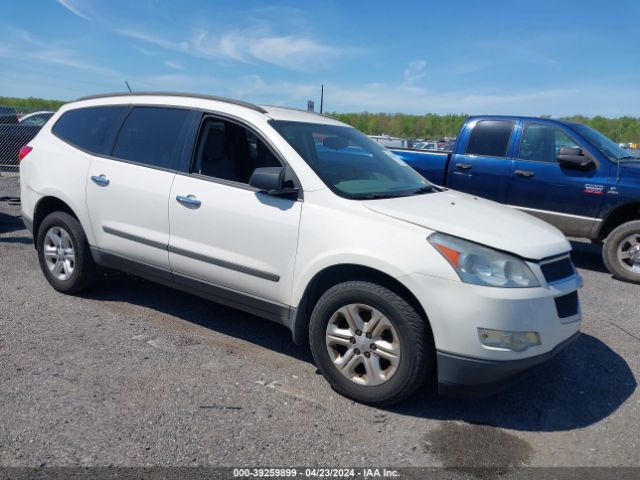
(135, 374)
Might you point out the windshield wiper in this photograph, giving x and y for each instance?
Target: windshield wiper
(629, 157)
(378, 196)
(425, 189)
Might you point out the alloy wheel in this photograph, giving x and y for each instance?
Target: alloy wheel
(363, 344)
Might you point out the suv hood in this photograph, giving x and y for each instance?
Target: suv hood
(477, 220)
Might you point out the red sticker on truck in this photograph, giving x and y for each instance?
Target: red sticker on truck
(593, 189)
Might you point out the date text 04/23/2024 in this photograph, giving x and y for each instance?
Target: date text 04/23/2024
(315, 473)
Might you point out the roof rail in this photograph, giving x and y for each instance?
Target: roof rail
(295, 109)
(176, 94)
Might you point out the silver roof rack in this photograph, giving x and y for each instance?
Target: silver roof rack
(177, 94)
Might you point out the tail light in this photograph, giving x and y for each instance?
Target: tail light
(24, 151)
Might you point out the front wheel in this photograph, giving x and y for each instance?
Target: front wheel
(64, 254)
(621, 252)
(370, 343)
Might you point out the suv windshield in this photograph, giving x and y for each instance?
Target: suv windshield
(607, 147)
(350, 163)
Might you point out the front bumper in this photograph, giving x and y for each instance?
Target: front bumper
(468, 377)
(457, 310)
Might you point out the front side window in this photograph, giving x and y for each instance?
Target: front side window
(490, 138)
(150, 135)
(350, 163)
(228, 151)
(89, 128)
(542, 143)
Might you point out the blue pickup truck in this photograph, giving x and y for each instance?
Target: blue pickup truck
(565, 173)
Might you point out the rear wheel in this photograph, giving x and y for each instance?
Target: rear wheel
(370, 343)
(621, 252)
(64, 255)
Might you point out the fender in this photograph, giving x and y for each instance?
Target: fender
(79, 210)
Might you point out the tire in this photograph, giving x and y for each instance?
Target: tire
(80, 271)
(621, 252)
(408, 334)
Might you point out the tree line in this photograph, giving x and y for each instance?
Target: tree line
(31, 104)
(430, 125)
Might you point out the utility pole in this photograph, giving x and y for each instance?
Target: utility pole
(321, 97)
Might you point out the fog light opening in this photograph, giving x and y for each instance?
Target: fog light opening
(506, 340)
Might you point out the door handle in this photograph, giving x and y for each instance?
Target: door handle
(524, 173)
(189, 201)
(464, 166)
(100, 180)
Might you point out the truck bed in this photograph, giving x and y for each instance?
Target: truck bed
(430, 164)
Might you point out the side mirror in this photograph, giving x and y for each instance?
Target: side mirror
(270, 180)
(573, 158)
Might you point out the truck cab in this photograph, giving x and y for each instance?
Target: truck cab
(562, 172)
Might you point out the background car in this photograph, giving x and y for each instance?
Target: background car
(15, 133)
(36, 118)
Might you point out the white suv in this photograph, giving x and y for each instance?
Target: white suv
(303, 220)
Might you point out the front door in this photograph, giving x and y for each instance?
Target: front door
(228, 240)
(569, 198)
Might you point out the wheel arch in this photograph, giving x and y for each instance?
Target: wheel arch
(334, 274)
(44, 207)
(618, 216)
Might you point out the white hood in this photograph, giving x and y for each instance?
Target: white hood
(477, 220)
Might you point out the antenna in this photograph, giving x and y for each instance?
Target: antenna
(127, 84)
(321, 97)
(619, 148)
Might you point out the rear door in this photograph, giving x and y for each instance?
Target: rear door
(569, 198)
(128, 190)
(484, 167)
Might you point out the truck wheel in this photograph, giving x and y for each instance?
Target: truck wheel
(64, 255)
(370, 343)
(621, 252)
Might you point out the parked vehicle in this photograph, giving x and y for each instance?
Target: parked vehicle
(36, 118)
(303, 220)
(425, 146)
(13, 135)
(390, 142)
(564, 173)
(8, 116)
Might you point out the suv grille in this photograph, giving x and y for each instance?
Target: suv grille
(567, 305)
(558, 270)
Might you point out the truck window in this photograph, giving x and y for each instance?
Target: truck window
(490, 138)
(542, 143)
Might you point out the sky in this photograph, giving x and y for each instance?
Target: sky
(496, 57)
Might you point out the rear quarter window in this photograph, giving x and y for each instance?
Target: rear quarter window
(89, 128)
(490, 138)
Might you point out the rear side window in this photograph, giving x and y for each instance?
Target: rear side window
(89, 128)
(151, 135)
(490, 138)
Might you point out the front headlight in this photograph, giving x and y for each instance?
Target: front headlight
(482, 265)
